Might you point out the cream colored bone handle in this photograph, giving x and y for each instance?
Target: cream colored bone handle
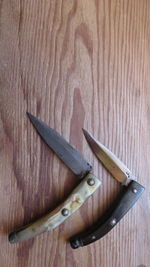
(83, 191)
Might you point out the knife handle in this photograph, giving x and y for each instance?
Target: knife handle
(120, 207)
(82, 192)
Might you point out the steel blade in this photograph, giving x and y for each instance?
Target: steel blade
(72, 158)
(117, 168)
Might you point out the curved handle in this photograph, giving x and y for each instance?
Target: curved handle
(121, 206)
(85, 189)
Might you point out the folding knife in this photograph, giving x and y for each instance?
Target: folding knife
(130, 194)
(79, 167)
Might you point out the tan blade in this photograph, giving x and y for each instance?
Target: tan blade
(118, 170)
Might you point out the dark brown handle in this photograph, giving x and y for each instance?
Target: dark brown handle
(127, 199)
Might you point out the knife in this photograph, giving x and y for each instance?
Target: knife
(131, 192)
(78, 165)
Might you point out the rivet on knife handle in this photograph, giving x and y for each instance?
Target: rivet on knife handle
(82, 192)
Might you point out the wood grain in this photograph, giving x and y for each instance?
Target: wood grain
(74, 64)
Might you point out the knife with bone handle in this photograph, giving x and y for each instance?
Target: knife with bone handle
(78, 165)
(131, 192)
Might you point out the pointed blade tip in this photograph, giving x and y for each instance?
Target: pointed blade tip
(85, 132)
(89, 138)
(30, 116)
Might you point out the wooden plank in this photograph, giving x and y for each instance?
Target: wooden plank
(73, 64)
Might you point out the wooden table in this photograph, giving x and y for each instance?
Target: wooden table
(73, 64)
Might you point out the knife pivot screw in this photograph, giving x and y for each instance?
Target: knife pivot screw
(113, 222)
(65, 212)
(128, 174)
(91, 181)
(134, 190)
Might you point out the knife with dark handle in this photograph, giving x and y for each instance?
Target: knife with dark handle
(131, 192)
(128, 197)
